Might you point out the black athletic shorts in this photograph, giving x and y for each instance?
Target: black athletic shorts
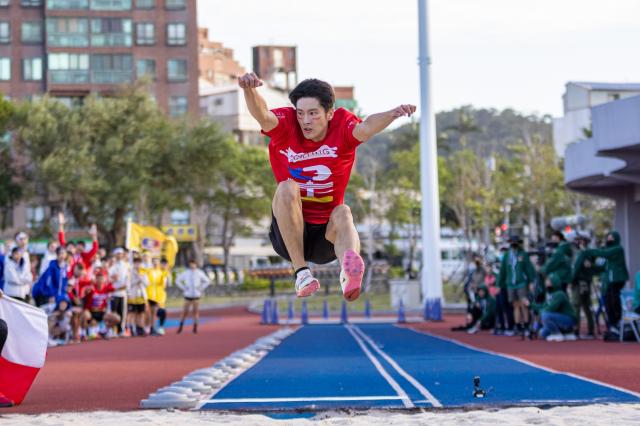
(137, 308)
(97, 316)
(191, 299)
(317, 248)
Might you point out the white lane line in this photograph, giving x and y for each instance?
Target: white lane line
(310, 398)
(524, 361)
(428, 395)
(401, 393)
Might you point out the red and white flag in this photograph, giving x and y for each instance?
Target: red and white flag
(25, 349)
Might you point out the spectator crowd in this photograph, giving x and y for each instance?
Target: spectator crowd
(89, 293)
(543, 293)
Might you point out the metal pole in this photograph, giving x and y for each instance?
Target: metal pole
(431, 277)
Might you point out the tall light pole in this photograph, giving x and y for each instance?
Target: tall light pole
(431, 276)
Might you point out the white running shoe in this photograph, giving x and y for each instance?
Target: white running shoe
(570, 337)
(306, 284)
(558, 337)
(351, 275)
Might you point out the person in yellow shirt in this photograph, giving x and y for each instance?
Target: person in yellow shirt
(155, 292)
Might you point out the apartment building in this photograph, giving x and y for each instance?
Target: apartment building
(70, 48)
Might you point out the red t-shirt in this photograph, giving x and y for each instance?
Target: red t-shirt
(96, 299)
(322, 169)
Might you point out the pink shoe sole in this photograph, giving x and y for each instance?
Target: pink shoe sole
(309, 289)
(353, 267)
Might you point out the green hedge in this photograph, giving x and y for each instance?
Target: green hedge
(253, 284)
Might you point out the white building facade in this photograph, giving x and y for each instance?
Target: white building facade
(226, 105)
(578, 100)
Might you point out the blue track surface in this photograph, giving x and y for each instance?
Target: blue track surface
(383, 366)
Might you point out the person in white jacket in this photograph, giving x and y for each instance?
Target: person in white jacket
(49, 256)
(17, 275)
(192, 282)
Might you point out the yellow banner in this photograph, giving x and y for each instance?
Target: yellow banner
(151, 239)
(182, 233)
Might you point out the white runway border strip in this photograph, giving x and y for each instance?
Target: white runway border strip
(200, 385)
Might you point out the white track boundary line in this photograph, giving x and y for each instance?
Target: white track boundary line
(524, 361)
(301, 399)
(414, 382)
(401, 393)
(208, 399)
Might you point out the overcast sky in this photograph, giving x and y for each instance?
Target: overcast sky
(488, 53)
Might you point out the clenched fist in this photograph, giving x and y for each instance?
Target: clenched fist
(249, 81)
(403, 110)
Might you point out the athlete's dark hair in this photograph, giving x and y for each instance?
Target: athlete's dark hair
(314, 88)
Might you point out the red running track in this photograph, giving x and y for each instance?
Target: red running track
(610, 362)
(117, 374)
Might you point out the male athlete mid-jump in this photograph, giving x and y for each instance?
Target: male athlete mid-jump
(312, 150)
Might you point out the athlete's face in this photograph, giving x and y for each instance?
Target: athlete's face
(313, 118)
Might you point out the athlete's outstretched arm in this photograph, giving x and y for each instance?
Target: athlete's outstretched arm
(256, 103)
(376, 123)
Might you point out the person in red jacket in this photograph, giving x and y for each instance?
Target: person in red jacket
(95, 303)
(77, 252)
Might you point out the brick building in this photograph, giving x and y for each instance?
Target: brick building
(216, 62)
(70, 48)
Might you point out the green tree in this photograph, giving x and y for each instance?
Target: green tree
(10, 191)
(108, 158)
(243, 195)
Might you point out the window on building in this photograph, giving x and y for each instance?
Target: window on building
(178, 106)
(180, 217)
(146, 67)
(5, 32)
(68, 4)
(145, 33)
(5, 3)
(111, 4)
(32, 69)
(68, 32)
(111, 32)
(35, 217)
(31, 32)
(111, 69)
(5, 69)
(176, 34)
(69, 68)
(31, 3)
(218, 101)
(145, 4)
(175, 4)
(177, 69)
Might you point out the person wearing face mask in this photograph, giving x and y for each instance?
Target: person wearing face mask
(584, 269)
(616, 275)
(560, 261)
(558, 316)
(517, 273)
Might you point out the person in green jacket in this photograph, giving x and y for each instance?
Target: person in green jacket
(483, 311)
(636, 295)
(560, 261)
(616, 276)
(584, 269)
(518, 273)
(557, 314)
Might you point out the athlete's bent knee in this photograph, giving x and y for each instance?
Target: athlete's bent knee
(342, 214)
(287, 192)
